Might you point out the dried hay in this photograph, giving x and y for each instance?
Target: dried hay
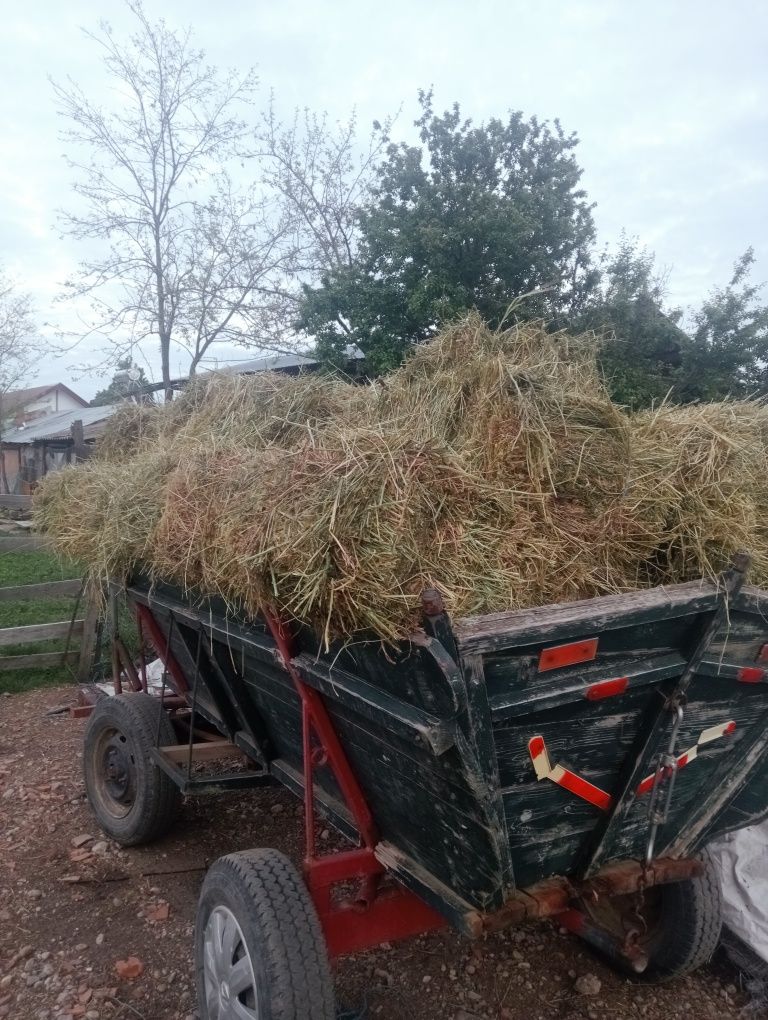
(492, 465)
(700, 484)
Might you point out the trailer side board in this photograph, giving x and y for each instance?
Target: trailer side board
(578, 744)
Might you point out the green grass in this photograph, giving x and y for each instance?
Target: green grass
(34, 567)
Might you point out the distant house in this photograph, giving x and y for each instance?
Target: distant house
(31, 450)
(21, 406)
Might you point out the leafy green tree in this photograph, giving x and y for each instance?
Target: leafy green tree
(651, 351)
(730, 340)
(473, 217)
(644, 347)
(129, 380)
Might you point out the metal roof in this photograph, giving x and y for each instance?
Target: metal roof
(57, 425)
(282, 362)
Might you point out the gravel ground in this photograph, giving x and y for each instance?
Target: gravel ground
(90, 930)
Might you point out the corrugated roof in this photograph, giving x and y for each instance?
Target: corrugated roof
(57, 425)
(281, 362)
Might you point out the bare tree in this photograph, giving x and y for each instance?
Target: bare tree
(19, 346)
(146, 170)
(319, 174)
(240, 251)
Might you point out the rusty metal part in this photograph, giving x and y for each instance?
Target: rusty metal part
(87, 697)
(626, 951)
(432, 602)
(556, 895)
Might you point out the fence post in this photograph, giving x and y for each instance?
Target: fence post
(80, 448)
(93, 606)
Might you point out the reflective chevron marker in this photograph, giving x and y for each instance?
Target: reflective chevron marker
(564, 777)
(705, 737)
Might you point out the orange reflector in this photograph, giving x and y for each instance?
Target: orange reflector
(567, 655)
(606, 688)
(750, 675)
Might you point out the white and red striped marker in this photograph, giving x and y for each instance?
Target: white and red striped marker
(564, 777)
(575, 784)
(705, 737)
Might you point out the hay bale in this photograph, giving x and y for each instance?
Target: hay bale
(521, 406)
(103, 514)
(699, 485)
(492, 465)
(129, 429)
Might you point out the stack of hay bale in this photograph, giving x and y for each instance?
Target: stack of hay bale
(493, 465)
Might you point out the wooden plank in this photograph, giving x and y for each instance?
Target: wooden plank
(23, 544)
(657, 724)
(548, 624)
(38, 632)
(46, 590)
(722, 789)
(37, 660)
(212, 750)
(523, 697)
(376, 705)
(90, 636)
(480, 719)
(13, 501)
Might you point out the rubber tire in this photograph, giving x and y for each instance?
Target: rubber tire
(281, 930)
(158, 799)
(689, 926)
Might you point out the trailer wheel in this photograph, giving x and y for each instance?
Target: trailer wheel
(259, 948)
(689, 920)
(133, 800)
(683, 923)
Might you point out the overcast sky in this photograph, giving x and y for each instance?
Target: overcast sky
(670, 101)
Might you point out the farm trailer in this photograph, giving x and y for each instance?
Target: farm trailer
(570, 761)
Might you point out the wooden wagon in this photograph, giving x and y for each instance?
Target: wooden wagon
(568, 761)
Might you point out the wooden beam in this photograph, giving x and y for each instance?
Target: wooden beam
(557, 623)
(209, 751)
(23, 544)
(38, 632)
(90, 635)
(13, 501)
(46, 590)
(38, 660)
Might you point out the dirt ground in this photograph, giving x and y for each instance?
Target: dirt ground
(71, 907)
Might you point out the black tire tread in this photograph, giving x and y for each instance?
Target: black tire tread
(691, 924)
(141, 714)
(301, 986)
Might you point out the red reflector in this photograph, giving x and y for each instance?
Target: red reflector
(731, 727)
(567, 655)
(750, 675)
(606, 689)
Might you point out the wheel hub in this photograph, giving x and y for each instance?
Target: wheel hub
(228, 970)
(118, 771)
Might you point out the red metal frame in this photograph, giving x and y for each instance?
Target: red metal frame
(161, 645)
(373, 914)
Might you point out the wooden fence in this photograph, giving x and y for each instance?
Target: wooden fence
(11, 501)
(77, 628)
